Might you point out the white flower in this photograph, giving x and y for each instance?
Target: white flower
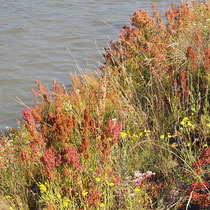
(139, 177)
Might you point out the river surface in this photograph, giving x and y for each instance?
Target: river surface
(35, 34)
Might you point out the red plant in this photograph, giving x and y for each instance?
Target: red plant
(75, 122)
(199, 39)
(28, 117)
(191, 55)
(24, 157)
(48, 160)
(203, 160)
(93, 198)
(113, 129)
(30, 122)
(199, 193)
(60, 142)
(198, 190)
(72, 157)
(207, 59)
(61, 125)
(85, 144)
(42, 90)
(111, 136)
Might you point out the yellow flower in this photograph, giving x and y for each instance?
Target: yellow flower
(59, 195)
(65, 204)
(162, 136)
(169, 135)
(20, 204)
(84, 193)
(109, 139)
(208, 124)
(8, 197)
(135, 136)
(102, 205)
(188, 123)
(147, 131)
(136, 190)
(98, 179)
(111, 184)
(205, 145)
(140, 134)
(123, 134)
(42, 188)
(182, 123)
(185, 119)
(99, 137)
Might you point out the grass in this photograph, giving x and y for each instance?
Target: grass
(136, 136)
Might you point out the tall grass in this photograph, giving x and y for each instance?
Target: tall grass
(135, 138)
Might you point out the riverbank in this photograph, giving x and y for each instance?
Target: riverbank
(135, 138)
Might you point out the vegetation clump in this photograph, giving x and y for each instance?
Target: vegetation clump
(137, 137)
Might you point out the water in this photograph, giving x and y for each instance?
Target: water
(34, 36)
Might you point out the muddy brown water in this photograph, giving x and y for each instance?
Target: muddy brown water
(34, 36)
